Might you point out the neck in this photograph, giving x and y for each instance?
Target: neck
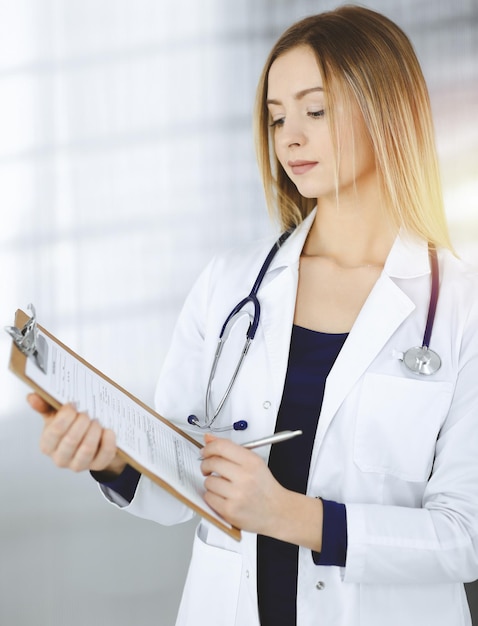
(352, 235)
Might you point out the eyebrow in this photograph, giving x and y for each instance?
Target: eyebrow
(298, 96)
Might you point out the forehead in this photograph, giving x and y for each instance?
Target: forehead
(293, 71)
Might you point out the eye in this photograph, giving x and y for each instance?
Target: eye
(316, 114)
(276, 123)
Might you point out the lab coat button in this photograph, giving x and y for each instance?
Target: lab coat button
(247, 573)
(267, 404)
(320, 585)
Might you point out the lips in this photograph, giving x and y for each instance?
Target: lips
(301, 167)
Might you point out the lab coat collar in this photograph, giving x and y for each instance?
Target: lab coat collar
(290, 251)
(408, 257)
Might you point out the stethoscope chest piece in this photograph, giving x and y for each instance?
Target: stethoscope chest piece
(422, 360)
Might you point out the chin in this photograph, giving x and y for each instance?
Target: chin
(313, 191)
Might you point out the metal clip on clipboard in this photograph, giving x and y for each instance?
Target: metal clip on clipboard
(29, 342)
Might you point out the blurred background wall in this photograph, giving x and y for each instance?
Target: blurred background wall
(126, 162)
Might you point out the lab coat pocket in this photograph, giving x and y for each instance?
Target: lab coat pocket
(212, 586)
(398, 423)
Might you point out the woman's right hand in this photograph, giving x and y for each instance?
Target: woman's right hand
(75, 441)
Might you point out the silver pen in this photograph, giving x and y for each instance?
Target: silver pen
(284, 435)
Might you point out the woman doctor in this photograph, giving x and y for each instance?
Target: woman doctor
(371, 516)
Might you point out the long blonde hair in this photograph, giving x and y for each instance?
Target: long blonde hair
(364, 57)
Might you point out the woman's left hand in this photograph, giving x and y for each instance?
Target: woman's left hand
(240, 486)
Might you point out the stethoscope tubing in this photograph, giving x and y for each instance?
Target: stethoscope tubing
(435, 287)
(252, 297)
(418, 360)
(251, 332)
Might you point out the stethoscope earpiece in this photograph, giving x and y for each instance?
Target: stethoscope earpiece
(239, 425)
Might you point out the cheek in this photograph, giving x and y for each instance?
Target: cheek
(364, 156)
(276, 145)
(364, 153)
(279, 153)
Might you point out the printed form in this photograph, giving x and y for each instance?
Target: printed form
(145, 438)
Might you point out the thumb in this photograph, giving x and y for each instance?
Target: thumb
(39, 405)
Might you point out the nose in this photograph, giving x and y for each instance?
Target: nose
(292, 134)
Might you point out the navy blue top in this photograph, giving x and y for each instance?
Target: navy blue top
(311, 357)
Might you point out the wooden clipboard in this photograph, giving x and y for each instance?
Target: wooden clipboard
(18, 363)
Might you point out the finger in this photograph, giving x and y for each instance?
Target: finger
(56, 428)
(106, 451)
(217, 503)
(219, 486)
(68, 444)
(221, 467)
(87, 448)
(38, 404)
(215, 446)
(208, 437)
(226, 449)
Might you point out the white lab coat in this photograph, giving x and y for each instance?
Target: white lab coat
(400, 450)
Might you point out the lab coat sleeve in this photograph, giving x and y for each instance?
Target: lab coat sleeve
(438, 542)
(179, 392)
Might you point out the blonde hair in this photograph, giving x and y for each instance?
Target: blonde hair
(365, 58)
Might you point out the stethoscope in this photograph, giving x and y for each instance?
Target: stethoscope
(419, 360)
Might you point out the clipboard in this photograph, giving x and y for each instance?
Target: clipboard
(32, 344)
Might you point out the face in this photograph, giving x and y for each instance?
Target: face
(301, 133)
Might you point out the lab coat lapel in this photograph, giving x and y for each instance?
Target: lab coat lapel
(278, 314)
(384, 311)
(277, 296)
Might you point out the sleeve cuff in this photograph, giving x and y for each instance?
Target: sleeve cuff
(125, 484)
(334, 535)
